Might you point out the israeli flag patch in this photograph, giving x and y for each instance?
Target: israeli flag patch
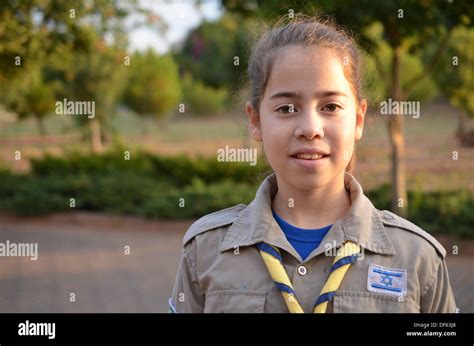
(386, 280)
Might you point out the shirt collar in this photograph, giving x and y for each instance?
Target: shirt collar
(362, 224)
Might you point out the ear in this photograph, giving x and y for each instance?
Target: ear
(254, 122)
(360, 116)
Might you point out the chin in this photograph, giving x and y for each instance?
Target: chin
(306, 180)
(311, 183)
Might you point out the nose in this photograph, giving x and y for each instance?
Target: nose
(310, 125)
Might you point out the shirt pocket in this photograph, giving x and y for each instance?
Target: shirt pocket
(235, 301)
(369, 302)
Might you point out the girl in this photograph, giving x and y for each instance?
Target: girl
(310, 241)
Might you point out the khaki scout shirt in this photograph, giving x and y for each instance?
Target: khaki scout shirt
(221, 270)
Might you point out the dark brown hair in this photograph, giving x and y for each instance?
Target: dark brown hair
(306, 31)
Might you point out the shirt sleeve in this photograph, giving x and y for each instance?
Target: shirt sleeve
(187, 296)
(438, 297)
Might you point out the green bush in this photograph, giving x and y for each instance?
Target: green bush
(118, 193)
(199, 199)
(380, 197)
(26, 195)
(201, 99)
(154, 186)
(178, 170)
(447, 212)
(76, 162)
(444, 212)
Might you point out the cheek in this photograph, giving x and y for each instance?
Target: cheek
(347, 133)
(274, 130)
(275, 136)
(342, 135)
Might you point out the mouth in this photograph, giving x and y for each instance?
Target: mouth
(309, 157)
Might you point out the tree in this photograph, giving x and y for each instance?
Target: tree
(98, 77)
(30, 31)
(455, 78)
(153, 87)
(31, 96)
(215, 53)
(380, 65)
(36, 32)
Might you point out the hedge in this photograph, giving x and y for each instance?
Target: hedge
(156, 187)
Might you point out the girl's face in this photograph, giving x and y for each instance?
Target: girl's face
(309, 118)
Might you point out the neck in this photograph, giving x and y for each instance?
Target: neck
(314, 208)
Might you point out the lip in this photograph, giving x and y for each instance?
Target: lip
(309, 151)
(310, 164)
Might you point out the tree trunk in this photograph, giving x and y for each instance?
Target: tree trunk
(464, 133)
(399, 201)
(106, 135)
(96, 138)
(460, 132)
(41, 127)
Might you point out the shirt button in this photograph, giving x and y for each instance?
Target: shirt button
(302, 270)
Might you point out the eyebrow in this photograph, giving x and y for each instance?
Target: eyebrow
(292, 94)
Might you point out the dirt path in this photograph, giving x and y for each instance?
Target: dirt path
(84, 254)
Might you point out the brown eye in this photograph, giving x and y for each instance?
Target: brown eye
(331, 107)
(286, 109)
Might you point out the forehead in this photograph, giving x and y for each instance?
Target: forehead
(307, 70)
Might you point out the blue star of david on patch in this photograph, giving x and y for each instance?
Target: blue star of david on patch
(387, 280)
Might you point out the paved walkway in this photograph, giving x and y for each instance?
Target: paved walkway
(84, 254)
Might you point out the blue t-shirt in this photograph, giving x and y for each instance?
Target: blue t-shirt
(303, 240)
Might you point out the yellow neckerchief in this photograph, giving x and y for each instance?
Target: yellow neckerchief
(347, 255)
